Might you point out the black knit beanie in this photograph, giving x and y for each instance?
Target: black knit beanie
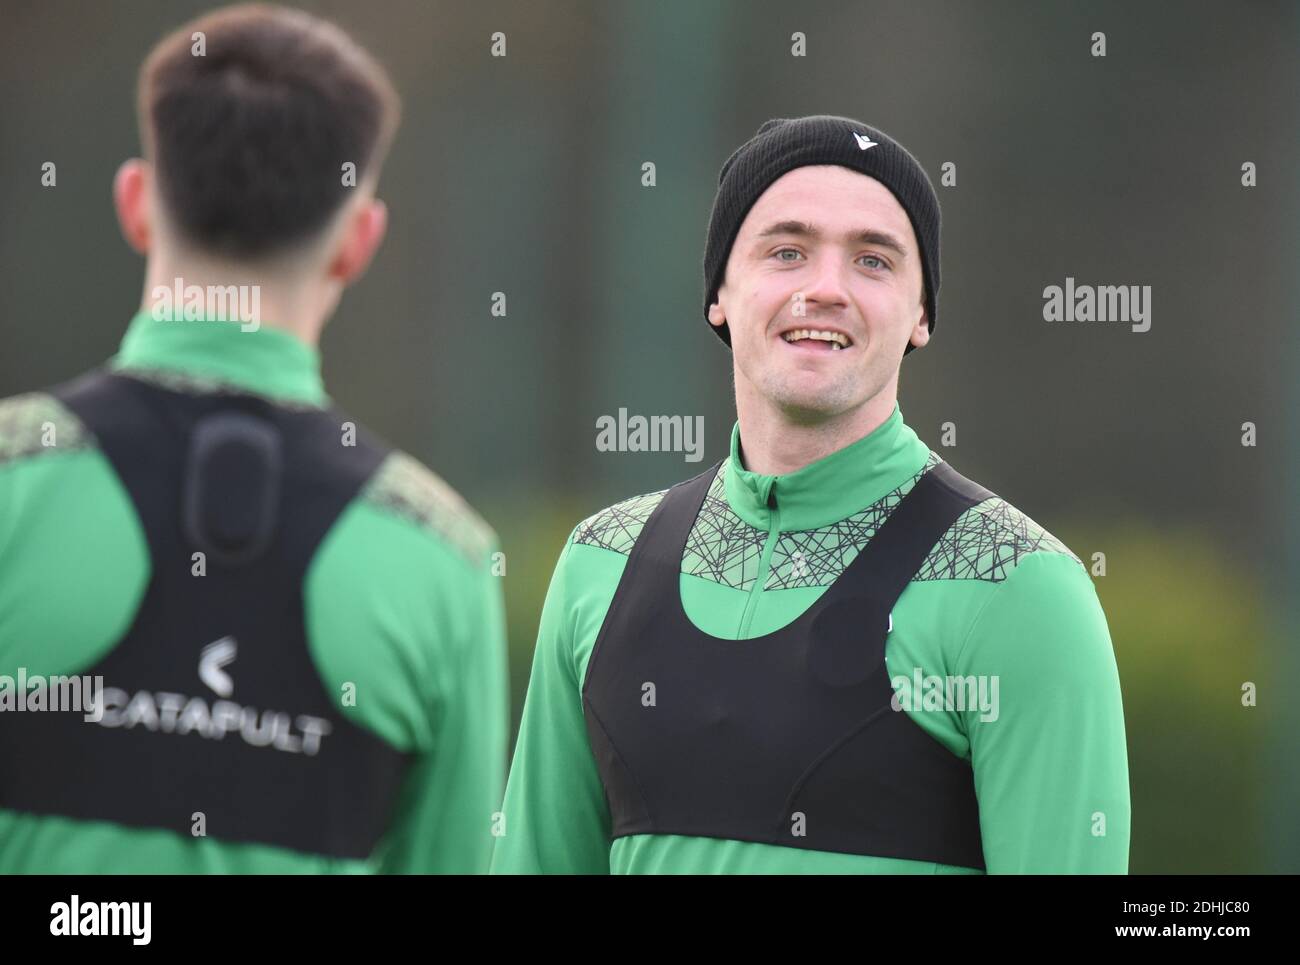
(781, 145)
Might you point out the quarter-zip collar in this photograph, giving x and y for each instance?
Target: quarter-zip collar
(833, 487)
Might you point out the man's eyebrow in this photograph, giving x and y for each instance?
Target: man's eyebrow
(867, 236)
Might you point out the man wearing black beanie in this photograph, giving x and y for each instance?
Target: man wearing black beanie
(796, 661)
(779, 147)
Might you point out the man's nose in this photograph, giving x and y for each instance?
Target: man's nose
(827, 286)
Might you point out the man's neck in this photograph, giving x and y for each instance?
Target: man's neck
(773, 443)
(291, 308)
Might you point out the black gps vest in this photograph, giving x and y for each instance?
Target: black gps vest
(213, 705)
(789, 738)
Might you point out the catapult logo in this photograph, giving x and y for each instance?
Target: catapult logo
(168, 713)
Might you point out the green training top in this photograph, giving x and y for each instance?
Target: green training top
(997, 598)
(400, 600)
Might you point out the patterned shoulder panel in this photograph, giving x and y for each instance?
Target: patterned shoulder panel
(35, 423)
(404, 486)
(987, 542)
(617, 527)
(721, 547)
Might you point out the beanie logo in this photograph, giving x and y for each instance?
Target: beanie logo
(864, 142)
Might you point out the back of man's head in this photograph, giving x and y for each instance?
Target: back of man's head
(249, 116)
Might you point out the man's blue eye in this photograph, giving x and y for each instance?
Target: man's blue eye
(875, 259)
(786, 251)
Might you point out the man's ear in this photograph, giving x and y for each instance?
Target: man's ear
(716, 316)
(131, 187)
(921, 333)
(363, 232)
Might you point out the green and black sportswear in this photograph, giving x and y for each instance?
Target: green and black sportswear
(995, 598)
(327, 697)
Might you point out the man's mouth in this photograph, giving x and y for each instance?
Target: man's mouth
(818, 339)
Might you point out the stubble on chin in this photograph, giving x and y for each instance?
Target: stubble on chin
(808, 403)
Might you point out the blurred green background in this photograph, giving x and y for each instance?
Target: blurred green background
(522, 175)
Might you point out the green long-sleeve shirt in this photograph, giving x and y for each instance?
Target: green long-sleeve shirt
(400, 601)
(997, 598)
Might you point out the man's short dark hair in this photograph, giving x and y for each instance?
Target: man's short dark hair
(248, 140)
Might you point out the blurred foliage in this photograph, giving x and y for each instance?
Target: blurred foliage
(1190, 626)
(532, 541)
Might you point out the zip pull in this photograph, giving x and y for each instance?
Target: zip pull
(771, 496)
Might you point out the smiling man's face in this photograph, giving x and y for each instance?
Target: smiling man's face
(826, 256)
